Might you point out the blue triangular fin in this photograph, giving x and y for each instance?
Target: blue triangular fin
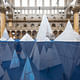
(27, 73)
(15, 61)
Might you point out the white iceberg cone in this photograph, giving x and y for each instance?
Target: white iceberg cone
(69, 34)
(5, 35)
(44, 30)
(26, 37)
(10, 39)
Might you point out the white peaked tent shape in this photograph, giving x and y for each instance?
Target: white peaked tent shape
(2, 39)
(15, 61)
(10, 39)
(5, 54)
(5, 34)
(69, 34)
(27, 73)
(72, 4)
(44, 30)
(6, 4)
(1, 71)
(26, 37)
(22, 55)
(6, 76)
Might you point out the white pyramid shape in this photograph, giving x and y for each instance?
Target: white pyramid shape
(15, 61)
(1, 71)
(6, 76)
(27, 73)
(69, 34)
(44, 30)
(2, 39)
(6, 4)
(22, 55)
(27, 37)
(10, 39)
(6, 54)
(5, 34)
(72, 4)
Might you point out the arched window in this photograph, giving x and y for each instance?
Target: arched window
(25, 25)
(17, 25)
(23, 32)
(55, 32)
(53, 25)
(32, 25)
(61, 25)
(29, 32)
(60, 31)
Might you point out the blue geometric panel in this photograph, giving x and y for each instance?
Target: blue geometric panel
(5, 53)
(1, 71)
(27, 73)
(6, 76)
(22, 55)
(15, 61)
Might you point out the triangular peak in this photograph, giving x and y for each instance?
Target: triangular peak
(6, 54)
(27, 67)
(44, 30)
(69, 34)
(43, 50)
(5, 34)
(43, 59)
(6, 76)
(10, 39)
(22, 55)
(27, 73)
(52, 57)
(68, 26)
(27, 37)
(43, 39)
(15, 61)
(1, 71)
(36, 57)
(33, 49)
(2, 39)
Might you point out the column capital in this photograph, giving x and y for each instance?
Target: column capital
(76, 9)
(3, 10)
